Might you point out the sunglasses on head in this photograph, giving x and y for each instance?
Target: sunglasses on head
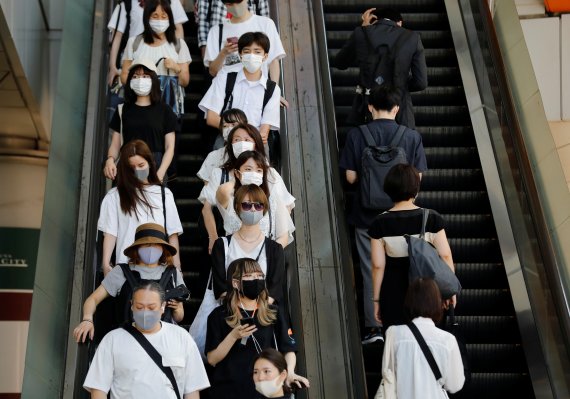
(246, 206)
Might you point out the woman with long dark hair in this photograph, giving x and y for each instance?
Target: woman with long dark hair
(136, 199)
(241, 328)
(270, 375)
(143, 116)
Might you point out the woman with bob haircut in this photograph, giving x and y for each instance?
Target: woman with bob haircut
(270, 375)
(403, 358)
(136, 199)
(158, 43)
(149, 258)
(389, 249)
(250, 204)
(243, 137)
(144, 117)
(241, 328)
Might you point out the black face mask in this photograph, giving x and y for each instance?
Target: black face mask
(252, 288)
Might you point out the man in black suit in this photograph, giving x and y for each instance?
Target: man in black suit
(382, 33)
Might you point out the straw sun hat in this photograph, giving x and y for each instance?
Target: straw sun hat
(150, 233)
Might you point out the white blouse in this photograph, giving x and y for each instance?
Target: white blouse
(413, 376)
(154, 53)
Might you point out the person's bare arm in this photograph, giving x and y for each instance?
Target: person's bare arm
(218, 63)
(223, 194)
(86, 327)
(109, 242)
(378, 259)
(292, 377)
(113, 71)
(192, 395)
(274, 70)
(110, 170)
(213, 119)
(96, 394)
(264, 132)
(210, 224)
(351, 176)
(179, 33)
(168, 155)
(125, 70)
(173, 240)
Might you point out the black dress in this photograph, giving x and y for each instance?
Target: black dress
(232, 378)
(391, 227)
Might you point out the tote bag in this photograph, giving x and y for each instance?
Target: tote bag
(198, 328)
(426, 263)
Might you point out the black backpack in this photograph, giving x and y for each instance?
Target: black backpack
(133, 278)
(379, 64)
(376, 161)
(229, 97)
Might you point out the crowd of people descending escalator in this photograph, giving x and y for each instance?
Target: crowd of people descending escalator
(241, 343)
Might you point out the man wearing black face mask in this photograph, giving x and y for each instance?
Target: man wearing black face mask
(122, 366)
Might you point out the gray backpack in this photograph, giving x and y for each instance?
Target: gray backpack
(376, 161)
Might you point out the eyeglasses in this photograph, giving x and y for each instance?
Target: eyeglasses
(246, 206)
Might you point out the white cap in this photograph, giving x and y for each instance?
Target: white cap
(148, 64)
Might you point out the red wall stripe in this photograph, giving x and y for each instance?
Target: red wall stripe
(17, 307)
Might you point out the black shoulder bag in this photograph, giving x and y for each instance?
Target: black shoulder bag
(154, 355)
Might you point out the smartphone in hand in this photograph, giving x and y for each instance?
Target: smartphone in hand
(247, 321)
(232, 40)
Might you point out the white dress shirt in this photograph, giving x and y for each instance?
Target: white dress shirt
(413, 375)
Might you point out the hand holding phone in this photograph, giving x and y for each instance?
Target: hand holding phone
(247, 321)
(232, 40)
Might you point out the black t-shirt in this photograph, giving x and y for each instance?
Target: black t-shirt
(232, 378)
(392, 226)
(150, 124)
(383, 131)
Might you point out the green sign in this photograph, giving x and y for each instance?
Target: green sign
(18, 254)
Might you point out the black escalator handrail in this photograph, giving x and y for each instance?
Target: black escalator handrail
(530, 191)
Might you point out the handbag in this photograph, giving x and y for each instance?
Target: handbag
(154, 355)
(387, 388)
(429, 357)
(426, 263)
(198, 328)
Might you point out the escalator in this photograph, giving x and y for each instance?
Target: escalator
(454, 186)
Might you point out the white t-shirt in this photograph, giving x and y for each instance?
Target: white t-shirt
(113, 221)
(137, 26)
(155, 53)
(247, 96)
(213, 160)
(122, 366)
(275, 183)
(413, 375)
(234, 251)
(254, 24)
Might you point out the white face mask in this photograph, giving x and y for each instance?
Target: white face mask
(241, 146)
(251, 178)
(159, 25)
(268, 387)
(226, 132)
(252, 62)
(141, 86)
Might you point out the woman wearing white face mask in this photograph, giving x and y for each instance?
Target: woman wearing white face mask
(243, 137)
(159, 44)
(251, 168)
(271, 376)
(143, 116)
(137, 198)
(149, 258)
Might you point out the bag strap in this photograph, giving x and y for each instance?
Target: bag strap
(163, 195)
(225, 177)
(398, 136)
(137, 43)
(367, 136)
(221, 29)
(117, 23)
(129, 276)
(120, 109)
(229, 98)
(425, 350)
(269, 90)
(261, 250)
(425, 215)
(154, 355)
(169, 272)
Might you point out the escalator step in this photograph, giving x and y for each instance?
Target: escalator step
(452, 157)
(488, 329)
(452, 179)
(475, 250)
(481, 275)
(468, 225)
(454, 201)
(446, 136)
(484, 302)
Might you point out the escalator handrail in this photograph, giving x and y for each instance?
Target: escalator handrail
(542, 234)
